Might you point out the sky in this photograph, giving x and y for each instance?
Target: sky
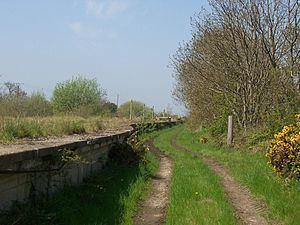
(125, 44)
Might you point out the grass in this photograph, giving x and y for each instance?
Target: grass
(14, 129)
(196, 194)
(252, 170)
(108, 198)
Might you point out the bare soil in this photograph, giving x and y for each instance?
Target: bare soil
(153, 210)
(248, 211)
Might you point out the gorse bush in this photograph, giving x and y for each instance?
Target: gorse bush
(77, 94)
(284, 151)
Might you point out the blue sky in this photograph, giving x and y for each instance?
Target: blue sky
(125, 44)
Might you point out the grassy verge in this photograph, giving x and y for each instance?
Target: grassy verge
(13, 129)
(109, 197)
(251, 169)
(196, 193)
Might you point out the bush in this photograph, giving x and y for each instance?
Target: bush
(218, 127)
(138, 108)
(37, 105)
(76, 94)
(131, 152)
(284, 151)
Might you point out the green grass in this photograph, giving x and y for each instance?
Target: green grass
(252, 170)
(108, 198)
(196, 194)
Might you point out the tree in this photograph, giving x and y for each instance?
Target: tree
(109, 107)
(13, 90)
(77, 93)
(138, 108)
(240, 61)
(12, 99)
(16, 102)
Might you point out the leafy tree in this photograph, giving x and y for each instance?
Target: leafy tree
(77, 93)
(243, 59)
(138, 108)
(109, 107)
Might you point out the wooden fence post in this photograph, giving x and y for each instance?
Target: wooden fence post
(230, 131)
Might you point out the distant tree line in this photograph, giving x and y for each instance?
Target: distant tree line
(78, 96)
(244, 60)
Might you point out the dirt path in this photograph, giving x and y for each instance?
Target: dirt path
(247, 210)
(153, 210)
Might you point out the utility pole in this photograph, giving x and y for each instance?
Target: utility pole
(144, 106)
(130, 111)
(152, 112)
(230, 131)
(118, 101)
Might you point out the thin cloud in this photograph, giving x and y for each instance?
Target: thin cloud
(106, 8)
(90, 34)
(83, 31)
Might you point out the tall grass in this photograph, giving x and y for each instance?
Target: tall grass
(252, 170)
(196, 193)
(13, 129)
(109, 198)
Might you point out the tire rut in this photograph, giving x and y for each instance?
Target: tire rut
(247, 210)
(153, 210)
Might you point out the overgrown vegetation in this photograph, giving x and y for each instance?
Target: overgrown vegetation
(251, 169)
(243, 60)
(77, 106)
(17, 103)
(14, 129)
(110, 197)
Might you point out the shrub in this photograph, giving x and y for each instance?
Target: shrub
(37, 105)
(284, 151)
(76, 94)
(131, 152)
(109, 108)
(218, 127)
